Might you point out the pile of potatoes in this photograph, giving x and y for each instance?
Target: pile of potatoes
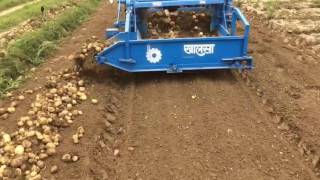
(85, 57)
(23, 152)
(175, 24)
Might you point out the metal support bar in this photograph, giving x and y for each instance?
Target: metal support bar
(237, 15)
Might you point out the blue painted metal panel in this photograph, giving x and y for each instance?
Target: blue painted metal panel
(176, 55)
(133, 54)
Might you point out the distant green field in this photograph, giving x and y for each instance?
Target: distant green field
(6, 4)
(30, 11)
(32, 48)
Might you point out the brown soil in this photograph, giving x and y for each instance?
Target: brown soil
(197, 125)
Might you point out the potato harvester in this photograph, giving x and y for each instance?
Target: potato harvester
(131, 51)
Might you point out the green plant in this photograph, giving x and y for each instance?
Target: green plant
(28, 12)
(272, 6)
(6, 4)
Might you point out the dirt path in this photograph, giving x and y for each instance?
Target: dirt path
(13, 9)
(199, 125)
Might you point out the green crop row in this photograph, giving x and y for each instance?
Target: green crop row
(6, 4)
(28, 12)
(32, 48)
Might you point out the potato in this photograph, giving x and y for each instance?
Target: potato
(19, 150)
(11, 110)
(6, 138)
(2, 111)
(94, 101)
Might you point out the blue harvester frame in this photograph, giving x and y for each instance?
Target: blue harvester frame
(130, 52)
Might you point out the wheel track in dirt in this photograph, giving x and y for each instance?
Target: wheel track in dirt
(290, 86)
(139, 166)
(271, 127)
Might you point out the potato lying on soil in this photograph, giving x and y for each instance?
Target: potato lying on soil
(84, 58)
(23, 152)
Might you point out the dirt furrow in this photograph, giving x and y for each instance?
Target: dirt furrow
(202, 126)
(286, 80)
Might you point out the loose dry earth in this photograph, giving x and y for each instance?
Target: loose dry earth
(197, 125)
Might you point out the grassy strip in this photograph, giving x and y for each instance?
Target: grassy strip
(6, 4)
(29, 11)
(33, 47)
